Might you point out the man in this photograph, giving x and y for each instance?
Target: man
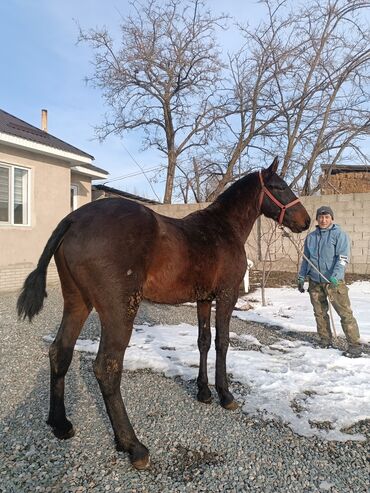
(327, 248)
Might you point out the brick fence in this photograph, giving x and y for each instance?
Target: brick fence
(13, 276)
(352, 212)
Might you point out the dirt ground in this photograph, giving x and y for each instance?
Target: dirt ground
(280, 278)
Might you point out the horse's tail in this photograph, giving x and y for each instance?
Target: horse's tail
(31, 299)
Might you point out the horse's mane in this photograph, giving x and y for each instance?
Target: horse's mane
(240, 189)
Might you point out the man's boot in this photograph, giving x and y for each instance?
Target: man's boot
(353, 352)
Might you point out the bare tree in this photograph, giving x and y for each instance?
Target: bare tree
(297, 87)
(300, 90)
(295, 254)
(262, 248)
(333, 112)
(163, 77)
(253, 72)
(198, 181)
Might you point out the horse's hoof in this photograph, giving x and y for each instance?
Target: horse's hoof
(141, 464)
(63, 433)
(139, 456)
(230, 406)
(204, 395)
(204, 400)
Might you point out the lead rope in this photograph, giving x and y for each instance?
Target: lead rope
(286, 234)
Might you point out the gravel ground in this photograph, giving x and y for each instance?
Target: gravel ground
(194, 447)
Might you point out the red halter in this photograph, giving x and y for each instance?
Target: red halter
(283, 207)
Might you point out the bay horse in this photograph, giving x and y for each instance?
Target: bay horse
(112, 253)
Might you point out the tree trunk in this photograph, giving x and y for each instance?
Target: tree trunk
(170, 177)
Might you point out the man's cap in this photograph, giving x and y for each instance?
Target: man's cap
(324, 209)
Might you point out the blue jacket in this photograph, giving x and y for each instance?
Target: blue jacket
(328, 249)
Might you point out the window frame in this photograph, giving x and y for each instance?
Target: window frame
(74, 197)
(11, 168)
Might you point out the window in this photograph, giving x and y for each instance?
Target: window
(14, 195)
(74, 193)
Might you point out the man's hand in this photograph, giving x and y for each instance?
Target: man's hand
(300, 283)
(334, 281)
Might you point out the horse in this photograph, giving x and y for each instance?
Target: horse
(112, 253)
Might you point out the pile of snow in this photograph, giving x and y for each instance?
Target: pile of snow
(317, 392)
(292, 310)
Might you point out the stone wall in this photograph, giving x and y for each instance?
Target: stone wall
(177, 210)
(352, 213)
(13, 277)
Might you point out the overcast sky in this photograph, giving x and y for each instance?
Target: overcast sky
(43, 67)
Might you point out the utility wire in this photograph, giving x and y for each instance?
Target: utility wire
(142, 170)
(129, 175)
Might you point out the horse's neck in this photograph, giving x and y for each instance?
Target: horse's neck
(239, 206)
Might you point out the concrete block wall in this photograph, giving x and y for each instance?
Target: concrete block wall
(177, 210)
(352, 213)
(12, 277)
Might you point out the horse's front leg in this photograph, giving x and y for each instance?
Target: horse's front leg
(224, 308)
(204, 343)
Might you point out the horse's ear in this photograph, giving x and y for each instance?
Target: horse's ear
(274, 166)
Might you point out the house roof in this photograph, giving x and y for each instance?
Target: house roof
(18, 133)
(121, 193)
(345, 168)
(12, 125)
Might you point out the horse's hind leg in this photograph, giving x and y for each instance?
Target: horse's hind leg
(224, 309)
(116, 332)
(204, 343)
(60, 354)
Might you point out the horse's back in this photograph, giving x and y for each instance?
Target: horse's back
(109, 235)
(111, 216)
(110, 207)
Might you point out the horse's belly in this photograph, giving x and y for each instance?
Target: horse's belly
(170, 293)
(177, 280)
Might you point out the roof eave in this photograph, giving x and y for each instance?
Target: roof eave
(43, 149)
(95, 175)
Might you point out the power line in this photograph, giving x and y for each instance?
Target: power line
(142, 170)
(136, 173)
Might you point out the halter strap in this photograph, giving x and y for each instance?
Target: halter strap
(266, 191)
